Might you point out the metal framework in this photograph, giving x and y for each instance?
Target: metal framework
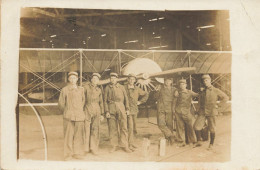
(177, 58)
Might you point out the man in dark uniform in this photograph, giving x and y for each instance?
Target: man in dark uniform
(71, 102)
(208, 109)
(93, 109)
(183, 114)
(117, 108)
(133, 93)
(165, 108)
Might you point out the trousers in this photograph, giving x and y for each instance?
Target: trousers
(118, 129)
(200, 122)
(73, 137)
(184, 123)
(165, 123)
(92, 133)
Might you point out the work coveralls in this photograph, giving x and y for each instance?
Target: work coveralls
(133, 93)
(116, 103)
(184, 116)
(165, 108)
(93, 110)
(71, 102)
(208, 107)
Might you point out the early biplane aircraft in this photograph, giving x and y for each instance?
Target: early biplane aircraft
(43, 72)
(148, 74)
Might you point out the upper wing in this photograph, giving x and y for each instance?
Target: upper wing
(163, 74)
(168, 73)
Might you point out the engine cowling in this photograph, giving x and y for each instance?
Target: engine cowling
(144, 67)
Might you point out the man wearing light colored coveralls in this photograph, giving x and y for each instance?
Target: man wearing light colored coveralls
(71, 102)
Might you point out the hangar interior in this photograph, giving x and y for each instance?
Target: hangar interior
(54, 41)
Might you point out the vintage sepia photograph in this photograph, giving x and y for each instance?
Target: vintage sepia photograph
(107, 85)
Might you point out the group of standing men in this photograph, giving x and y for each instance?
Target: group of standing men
(176, 104)
(84, 107)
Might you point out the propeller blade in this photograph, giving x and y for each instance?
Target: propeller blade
(145, 88)
(149, 87)
(106, 81)
(162, 74)
(152, 85)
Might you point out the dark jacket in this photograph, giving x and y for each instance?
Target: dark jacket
(208, 101)
(115, 97)
(133, 94)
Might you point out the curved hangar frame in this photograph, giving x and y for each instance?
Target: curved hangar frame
(47, 68)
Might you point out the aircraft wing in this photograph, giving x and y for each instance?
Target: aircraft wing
(168, 73)
(106, 81)
(163, 74)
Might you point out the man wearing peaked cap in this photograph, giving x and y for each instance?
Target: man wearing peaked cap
(116, 106)
(94, 111)
(134, 93)
(165, 109)
(131, 75)
(73, 73)
(182, 81)
(113, 75)
(183, 114)
(71, 102)
(205, 76)
(97, 75)
(208, 109)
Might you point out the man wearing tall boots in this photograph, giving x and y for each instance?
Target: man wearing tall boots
(94, 110)
(117, 109)
(208, 109)
(134, 93)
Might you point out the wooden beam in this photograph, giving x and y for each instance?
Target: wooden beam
(43, 12)
(94, 14)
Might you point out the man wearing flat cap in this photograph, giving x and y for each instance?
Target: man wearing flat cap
(117, 108)
(208, 109)
(183, 114)
(94, 111)
(134, 93)
(165, 108)
(71, 102)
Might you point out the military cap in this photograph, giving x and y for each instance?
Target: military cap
(96, 74)
(182, 81)
(206, 76)
(113, 75)
(73, 73)
(131, 75)
(168, 78)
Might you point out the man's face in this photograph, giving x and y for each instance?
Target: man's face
(113, 80)
(131, 80)
(95, 80)
(73, 79)
(207, 82)
(168, 82)
(183, 86)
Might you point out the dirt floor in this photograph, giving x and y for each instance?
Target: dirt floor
(31, 145)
